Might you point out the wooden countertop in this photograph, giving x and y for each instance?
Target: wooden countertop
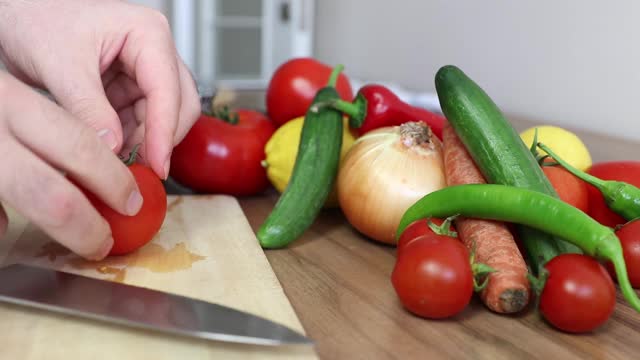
(339, 284)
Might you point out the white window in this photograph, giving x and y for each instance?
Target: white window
(239, 43)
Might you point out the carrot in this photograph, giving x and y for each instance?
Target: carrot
(507, 290)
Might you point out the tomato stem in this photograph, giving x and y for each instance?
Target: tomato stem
(225, 115)
(333, 78)
(132, 156)
(480, 271)
(445, 228)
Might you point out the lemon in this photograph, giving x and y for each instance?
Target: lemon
(282, 148)
(563, 142)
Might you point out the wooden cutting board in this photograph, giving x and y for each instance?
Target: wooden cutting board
(205, 249)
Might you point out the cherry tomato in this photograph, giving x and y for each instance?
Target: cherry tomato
(570, 188)
(629, 236)
(627, 171)
(579, 294)
(132, 232)
(294, 84)
(416, 229)
(433, 276)
(219, 157)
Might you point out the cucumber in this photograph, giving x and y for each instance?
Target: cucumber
(313, 176)
(499, 152)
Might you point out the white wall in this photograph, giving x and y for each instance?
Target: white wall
(571, 63)
(162, 5)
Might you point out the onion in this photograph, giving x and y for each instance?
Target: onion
(385, 172)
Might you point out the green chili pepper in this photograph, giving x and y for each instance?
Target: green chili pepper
(531, 208)
(621, 197)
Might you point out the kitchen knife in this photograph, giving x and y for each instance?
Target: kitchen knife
(137, 307)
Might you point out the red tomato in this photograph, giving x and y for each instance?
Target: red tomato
(294, 85)
(579, 294)
(416, 229)
(219, 157)
(433, 277)
(132, 232)
(629, 236)
(627, 171)
(570, 188)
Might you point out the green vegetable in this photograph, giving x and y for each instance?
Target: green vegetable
(498, 151)
(527, 207)
(313, 175)
(621, 197)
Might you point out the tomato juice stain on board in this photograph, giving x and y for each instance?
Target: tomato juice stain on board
(152, 257)
(118, 273)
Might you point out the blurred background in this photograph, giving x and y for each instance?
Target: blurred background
(570, 63)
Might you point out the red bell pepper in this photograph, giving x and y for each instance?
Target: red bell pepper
(376, 106)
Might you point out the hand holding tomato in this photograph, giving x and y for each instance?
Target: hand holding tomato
(132, 232)
(223, 154)
(294, 85)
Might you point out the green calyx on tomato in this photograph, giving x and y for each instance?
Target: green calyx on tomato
(133, 154)
(480, 271)
(225, 115)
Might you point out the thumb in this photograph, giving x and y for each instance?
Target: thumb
(82, 94)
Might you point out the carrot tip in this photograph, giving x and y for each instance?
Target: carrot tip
(514, 300)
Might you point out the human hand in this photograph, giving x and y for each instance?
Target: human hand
(109, 63)
(38, 140)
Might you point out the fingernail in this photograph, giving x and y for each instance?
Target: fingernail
(166, 166)
(108, 137)
(104, 249)
(134, 203)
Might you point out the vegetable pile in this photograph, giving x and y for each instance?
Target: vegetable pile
(525, 220)
(565, 247)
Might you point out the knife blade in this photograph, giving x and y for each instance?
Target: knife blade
(138, 307)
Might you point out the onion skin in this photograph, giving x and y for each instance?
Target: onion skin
(385, 172)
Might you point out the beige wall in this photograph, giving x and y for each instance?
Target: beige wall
(572, 63)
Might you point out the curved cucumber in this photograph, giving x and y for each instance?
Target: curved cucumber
(498, 151)
(313, 174)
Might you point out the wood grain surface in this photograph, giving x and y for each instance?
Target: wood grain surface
(205, 249)
(338, 282)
